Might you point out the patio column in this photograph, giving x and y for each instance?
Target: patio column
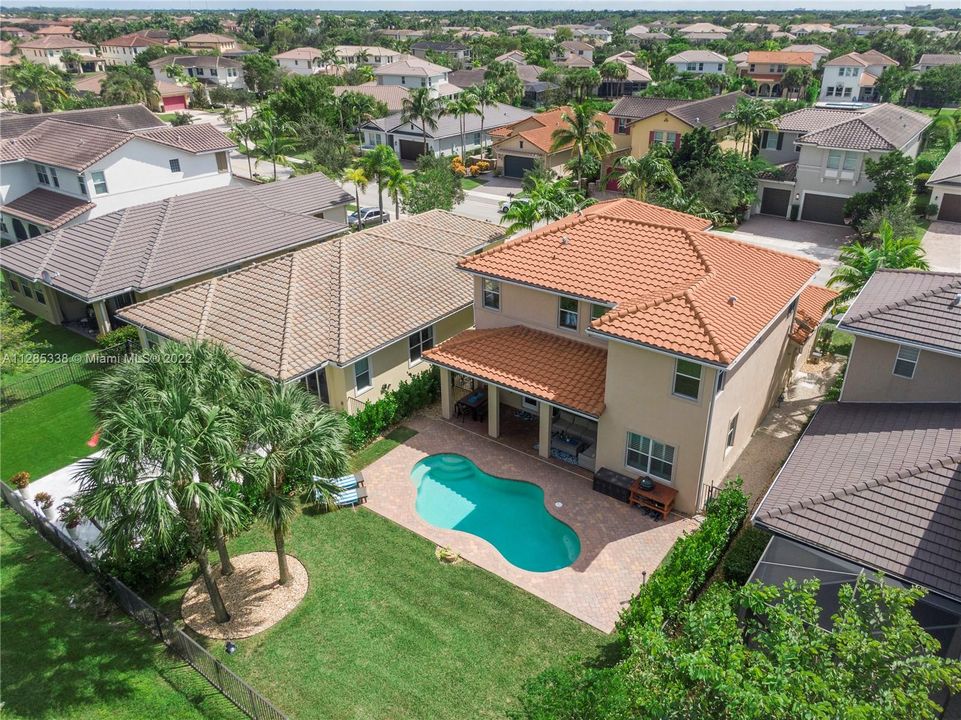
(493, 411)
(446, 400)
(103, 318)
(544, 425)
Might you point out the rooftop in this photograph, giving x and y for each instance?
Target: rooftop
(495, 116)
(134, 39)
(950, 168)
(301, 53)
(539, 128)
(707, 112)
(673, 286)
(697, 56)
(411, 66)
(47, 207)
(209, 38)
(779, 57)
(54, 42)
(882, 127)
(116, 117)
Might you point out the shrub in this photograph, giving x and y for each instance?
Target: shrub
(121, 336)
(393, 407)
(44, 500)
(899, 216)
(572, 690)
(148, 566)
(927, 161)
(834, 392)
(69, 515)
(919, 181)
(182, 118)
(20, 480)
(745, 551)
(690, 562)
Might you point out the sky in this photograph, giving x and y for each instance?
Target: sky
(493, 5)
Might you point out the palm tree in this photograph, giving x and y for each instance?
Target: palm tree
(653, 169)
(243, 134)
(398, 183)
(423, 107)
(41, 81)
(273, 137)
(356, 175)
(377, 165)
(611, 71)
(461, 106)
(521, 216)
(585, 133)
(159, 431)
(858, 261)
(751, 115)
(299, 443)
(487, 96)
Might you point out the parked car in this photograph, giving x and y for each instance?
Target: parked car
(506, 204)
(369, 215)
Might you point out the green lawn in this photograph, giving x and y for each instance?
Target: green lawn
(387, 631)
(68, 654)
(471, 183)
(47, 433)
(60, 342)
(379, 448)
(167, 117)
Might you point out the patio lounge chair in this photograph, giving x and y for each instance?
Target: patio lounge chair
(352, 491)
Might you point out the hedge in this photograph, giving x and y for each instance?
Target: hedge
(745, 551)
(690, 562)
(393, 407)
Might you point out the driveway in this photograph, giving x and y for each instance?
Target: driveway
(811, 240)
(942, 245)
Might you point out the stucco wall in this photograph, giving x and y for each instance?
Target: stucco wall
(787, 153)
(641, 132)
(870, 377)
(49, 311)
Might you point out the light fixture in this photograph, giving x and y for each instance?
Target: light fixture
(230, 648)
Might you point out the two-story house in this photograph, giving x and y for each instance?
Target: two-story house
(821, 154)
(454, 50)
(208, 69)
(302, 61)
(209, 41)
(873, 483)
(699, 62)
(346, 317)
(945, 184)
(82, 274)
(354, 56)
(853, 77)
(574, 53)
(81, 57)
(66, 168)
(123, 50)
(642, 343)
(412, 72)
(703, 32)
(767, 68)
(818, 51)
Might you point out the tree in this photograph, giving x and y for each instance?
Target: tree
(941, 84)
(487, 96)
(584, 133)
(176, 73)
(751, 115)
(41, 81)
(422, 107)
(261, 73)
(331, 149)
(508, 84)
(17, 334)
(434, 185)
(398, 184)
(858, 262)
(377, 164)
(160, 431)
(128, 85)
(873, 660)
(795, 79)
(892, 83)
(152, 53)
(460, 106)
(652, 170)
(544, 200)
(893, 177)
(301, 444)
(579, 83)
(272, 136)
(697, 149)
(614, 71)
(356, 176)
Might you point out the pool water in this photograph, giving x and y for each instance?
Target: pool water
(453, 493)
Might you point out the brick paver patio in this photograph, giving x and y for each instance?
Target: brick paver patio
(618, 544)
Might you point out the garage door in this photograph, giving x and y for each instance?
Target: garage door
(950, 208)
(775, 201)
(515, 166)
(823, 209)
(411, 149)
(175, 103)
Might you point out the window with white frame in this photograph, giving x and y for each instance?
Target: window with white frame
(99, 183)
(362, 379)
(420, 341)
(567, 313)
(662, 137)
(42, 176)
(906, 362)
(39, 295)
(731, 432)
(598, 311)
(720, 381)
(687, 379)
(841, 164)
(82, 182)
(649, 456)
(529, 403)
(174, 165)
(492, 295)
(53, 177)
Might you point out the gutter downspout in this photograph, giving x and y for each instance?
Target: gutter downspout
(707, 439)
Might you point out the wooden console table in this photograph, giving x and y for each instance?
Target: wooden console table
(660, 498)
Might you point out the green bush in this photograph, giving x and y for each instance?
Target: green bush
(573, 691)
(927, 161)
(393, 407)
(148, 566)
(919, 182)
(745, 551)
(121, 336)
(690, 562)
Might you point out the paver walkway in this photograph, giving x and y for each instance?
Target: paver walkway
(942, 246)
(619, 545)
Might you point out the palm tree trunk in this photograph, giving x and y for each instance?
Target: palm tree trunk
(226, 567)
(463, 139)
(360, 218)
(380, 197)
(281, 556)
(200, 555)
(423, 129)
(250, 167)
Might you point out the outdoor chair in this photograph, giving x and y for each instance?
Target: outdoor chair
(352, 491)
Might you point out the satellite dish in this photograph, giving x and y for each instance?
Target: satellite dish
(48, 276)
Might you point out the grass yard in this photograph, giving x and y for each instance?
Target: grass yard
(470, 183)
(70, 654)
(60, 342)
(387, 631)
(379, 448)
(167, 117)
(47, 433)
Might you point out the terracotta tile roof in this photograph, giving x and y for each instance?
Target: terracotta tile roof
(208, 38)
(134, 39)
(47, 207)
(544, 365)
(810, 311)
(879, 484)
(779, 57)
(909, 306)
(301, 53)
(548, 122)
(55, 42)
(330, 302)
(671, 283)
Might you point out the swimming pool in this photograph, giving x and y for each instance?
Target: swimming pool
(453, 493)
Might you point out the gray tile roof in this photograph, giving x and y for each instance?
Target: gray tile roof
(47, 207)
(330, 302)
(909, 306)
(638, 108)
(932, 59)
(811, 119)
(706, 112)
(949, 169)
(884, 127)
(304, 194)
(155, 245)
(116, 117)
(879, 484)
(495, 116)
(204, 61)
(697, 56)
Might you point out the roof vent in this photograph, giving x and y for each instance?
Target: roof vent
(956, 300)
(565, 239)
(732, 300)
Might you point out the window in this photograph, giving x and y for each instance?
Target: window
(200, 72)
(771, 140)
(691, 67)
(27, 292)
(662, 137)
(687, 379)
(222, 164)
(99, 183)
(13, 284)
(39, 295)
(362, 374)
(82, 182)
(598, 311)
(649, 456)
(567, 317)
(213, 72)
(492, 295)
(731, 432)
(42, 176)
(153, 339)
(53, 177)
(3, 226)
(174, 165)
(529, 403)
(906, 362)
(841, 164)
(720, 381)
(621, 126)
(420, 341)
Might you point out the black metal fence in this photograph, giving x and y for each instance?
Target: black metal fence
(248, 700)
